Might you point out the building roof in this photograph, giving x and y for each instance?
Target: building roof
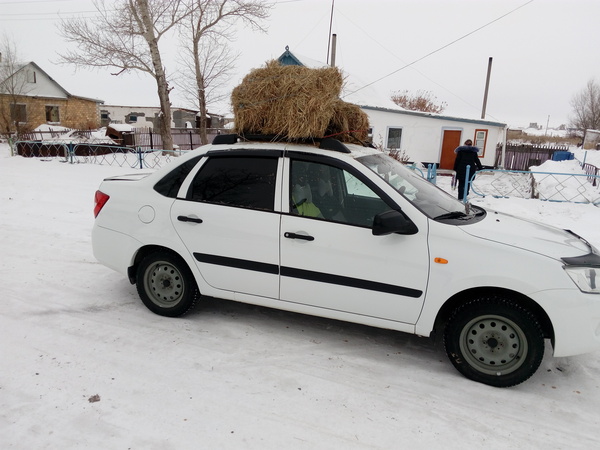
(51, 80)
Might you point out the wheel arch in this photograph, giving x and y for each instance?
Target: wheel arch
(142, 253)
(465, 296)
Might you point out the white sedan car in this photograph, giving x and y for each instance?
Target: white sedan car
(348, 233)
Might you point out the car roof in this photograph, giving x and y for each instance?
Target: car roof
(350, 150)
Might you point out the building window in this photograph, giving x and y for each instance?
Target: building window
(394, 138)
(31, 76)
(480, 140)
(52, 114)
(18, 113)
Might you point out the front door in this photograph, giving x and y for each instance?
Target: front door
(330, 257)
(450, 141)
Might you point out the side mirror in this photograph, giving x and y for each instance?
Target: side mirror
(393, 222)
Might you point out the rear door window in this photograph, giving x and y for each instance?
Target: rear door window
(246, 182)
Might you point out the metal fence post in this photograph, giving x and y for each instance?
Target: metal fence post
(467, 184)
(140, 157)
(70, 148)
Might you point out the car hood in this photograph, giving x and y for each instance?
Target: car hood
(528, 235)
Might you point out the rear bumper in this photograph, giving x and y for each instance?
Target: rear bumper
(114, 249)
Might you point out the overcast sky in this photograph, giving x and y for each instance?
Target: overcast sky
(544, 51)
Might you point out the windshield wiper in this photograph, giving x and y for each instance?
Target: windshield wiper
(453, 215)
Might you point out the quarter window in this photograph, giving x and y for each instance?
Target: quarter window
(170, 183)
(247, 182)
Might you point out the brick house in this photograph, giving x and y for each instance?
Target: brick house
(29, 97)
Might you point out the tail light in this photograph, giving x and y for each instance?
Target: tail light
(100, 200)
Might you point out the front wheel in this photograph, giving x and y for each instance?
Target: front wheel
(494, 341)
(166, 285)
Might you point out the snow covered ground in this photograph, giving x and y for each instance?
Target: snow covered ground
(85, 365)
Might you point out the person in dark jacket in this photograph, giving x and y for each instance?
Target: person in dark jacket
(466, 155)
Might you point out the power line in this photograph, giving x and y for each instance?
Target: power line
(46, 13)
(34, 1)
(49, 18)
(441, 48)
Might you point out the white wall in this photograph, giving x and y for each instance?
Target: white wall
(118, 114)
(39, 85)
(422, 135)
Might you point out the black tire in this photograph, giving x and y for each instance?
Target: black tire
(166, 285)
(494, 341)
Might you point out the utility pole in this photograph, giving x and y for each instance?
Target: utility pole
(329, 34)
(333, 46)
(487, 87)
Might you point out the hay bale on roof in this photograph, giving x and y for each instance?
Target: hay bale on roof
(292, 102)
(348, 123)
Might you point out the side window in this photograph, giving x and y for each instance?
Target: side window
(327, 192)
(247, 182)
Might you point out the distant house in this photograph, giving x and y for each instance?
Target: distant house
(423, 137)
(147, 117)
(29, 97)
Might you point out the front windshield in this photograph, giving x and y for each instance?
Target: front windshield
(427, 197)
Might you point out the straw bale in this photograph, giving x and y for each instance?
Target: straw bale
(292, 102)
(348, 123)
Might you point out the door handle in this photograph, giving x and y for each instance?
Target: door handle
(304, 237)
(189, 219)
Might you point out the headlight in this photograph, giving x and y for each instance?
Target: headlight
(587, 279)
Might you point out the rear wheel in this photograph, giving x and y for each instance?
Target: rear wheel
(494, 341)
(166, 285)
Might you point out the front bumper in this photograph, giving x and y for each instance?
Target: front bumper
(575, 317)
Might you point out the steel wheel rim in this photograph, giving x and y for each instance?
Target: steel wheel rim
(494, 345)
(164, 284)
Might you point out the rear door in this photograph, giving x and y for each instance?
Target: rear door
(228, 222)
(329, 256)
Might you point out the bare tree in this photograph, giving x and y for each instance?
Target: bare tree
(217, 62)
(208, 29)
(421, 101)
(586, 108)
(126, 37)
(13, 85)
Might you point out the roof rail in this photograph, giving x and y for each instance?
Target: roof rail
(225, 139)
(324, 143)
(333, 144)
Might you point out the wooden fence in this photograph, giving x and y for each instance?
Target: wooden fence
(521, 157)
